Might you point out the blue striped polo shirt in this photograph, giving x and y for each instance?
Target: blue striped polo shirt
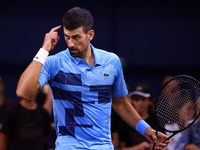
(82, 97)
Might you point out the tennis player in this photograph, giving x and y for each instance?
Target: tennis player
(85, 83)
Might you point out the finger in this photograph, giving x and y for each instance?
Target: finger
(161, 146)
(168, 141)
(56, 39)
(55, 28)
(154, 137)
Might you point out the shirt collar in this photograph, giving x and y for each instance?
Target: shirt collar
(76, 60)
(97, 60)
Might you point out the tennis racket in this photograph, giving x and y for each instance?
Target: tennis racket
(176, 104)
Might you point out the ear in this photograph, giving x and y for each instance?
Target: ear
(90, 35)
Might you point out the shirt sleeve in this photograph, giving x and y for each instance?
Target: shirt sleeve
(46, 72)
(119, 86)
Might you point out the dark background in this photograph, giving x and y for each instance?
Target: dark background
(152, 38)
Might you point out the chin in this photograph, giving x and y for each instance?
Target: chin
(73, 55)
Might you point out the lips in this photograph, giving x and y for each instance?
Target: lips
(73, 50)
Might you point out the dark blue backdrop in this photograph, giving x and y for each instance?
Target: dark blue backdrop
(153, 38)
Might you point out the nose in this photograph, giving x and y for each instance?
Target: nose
(70, 43)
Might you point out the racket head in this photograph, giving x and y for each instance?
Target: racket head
(176, 103)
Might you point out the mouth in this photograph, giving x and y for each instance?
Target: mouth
(72, 51)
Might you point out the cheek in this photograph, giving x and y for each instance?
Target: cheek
(83, 44)
(135, 104)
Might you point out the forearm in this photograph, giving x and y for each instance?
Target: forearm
(126, 111)
(28, 83)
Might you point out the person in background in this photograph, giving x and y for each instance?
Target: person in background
(186, 108)
(44, 99)
(25, 127)
(117, 129)
(190, 138)
(166, 79)
(142, 100)
(5, 103)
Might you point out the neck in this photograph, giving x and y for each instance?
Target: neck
(89, 56)
(31, 105)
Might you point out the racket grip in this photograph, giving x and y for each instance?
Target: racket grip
(167, 139)
(154, 146)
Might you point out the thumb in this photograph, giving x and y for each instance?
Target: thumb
(154, 137)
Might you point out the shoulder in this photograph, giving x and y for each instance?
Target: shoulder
(107, 57)
(13, 112)
(53, 62)
(16, 108)
(60, 55)
(106, 54)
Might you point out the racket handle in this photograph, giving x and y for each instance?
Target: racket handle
(162, 142)
(167, 139)
(154, 146)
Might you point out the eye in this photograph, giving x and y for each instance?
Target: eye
(67, 37)
(76, 37)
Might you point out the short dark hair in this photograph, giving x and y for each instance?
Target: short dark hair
(77, 17)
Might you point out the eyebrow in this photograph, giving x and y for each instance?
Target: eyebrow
(72, 35)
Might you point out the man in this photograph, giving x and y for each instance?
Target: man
(5, 102)
(83, 80)
(25, 127)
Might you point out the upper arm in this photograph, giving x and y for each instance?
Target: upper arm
(118, 102)
(48, 71)
(121, 105)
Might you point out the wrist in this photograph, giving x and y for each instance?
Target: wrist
(46, 48)
(41, 56)
(141, 127)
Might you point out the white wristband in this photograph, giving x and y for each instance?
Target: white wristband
(41, 56)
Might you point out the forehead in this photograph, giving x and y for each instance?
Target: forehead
(76, 31)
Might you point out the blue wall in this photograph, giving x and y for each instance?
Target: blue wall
(153, 38)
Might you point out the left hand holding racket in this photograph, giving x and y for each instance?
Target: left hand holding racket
(150, 134)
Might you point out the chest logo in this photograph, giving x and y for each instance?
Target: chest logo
(106, 74)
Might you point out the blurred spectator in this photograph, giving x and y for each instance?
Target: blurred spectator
(142, 100)
(44, 99)
(182, 108)
(188, 110)
(190, 138)
(166, 79)
(117, 129)
(25, 127)
(5, 103)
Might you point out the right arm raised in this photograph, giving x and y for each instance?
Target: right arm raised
(28, 83)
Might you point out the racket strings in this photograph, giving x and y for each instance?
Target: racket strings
(176, 103)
